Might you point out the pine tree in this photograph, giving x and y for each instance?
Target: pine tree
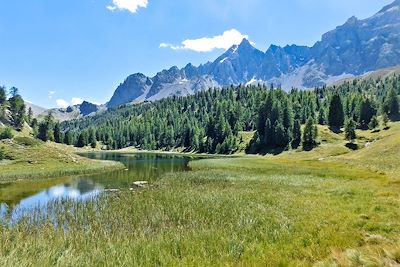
(14, 92)
(321, 117)
(46, 129)
(92, 138)
(374, 123)
(35, 127)
(17, 109)
(310, 134)
(30, 116)
(269, 134)
(58, 136)
(83, 139)
(366, 112)
(280, 134)
(68, 139)
(385, 120)
(350, 130)
(296, 134)
(336, 113)
(392, 104)
(3, 96)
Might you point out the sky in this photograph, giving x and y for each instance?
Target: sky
(58, 53)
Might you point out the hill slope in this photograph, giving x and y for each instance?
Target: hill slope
(28, 158)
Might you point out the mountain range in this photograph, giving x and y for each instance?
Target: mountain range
(66, 114)
(352, 49)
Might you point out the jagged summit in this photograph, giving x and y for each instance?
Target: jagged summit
(354, 48)
(395, 6)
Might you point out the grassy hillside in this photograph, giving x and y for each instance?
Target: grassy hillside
(381, 74)
(327, 207)
(29, 158)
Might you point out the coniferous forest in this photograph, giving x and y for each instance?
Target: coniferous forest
(210, 121)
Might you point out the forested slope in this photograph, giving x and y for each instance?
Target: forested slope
(210, 121)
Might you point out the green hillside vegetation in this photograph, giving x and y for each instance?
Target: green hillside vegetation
(325, 194)
(212, 121)
(26, 157)
(324, 207)
(22, 156)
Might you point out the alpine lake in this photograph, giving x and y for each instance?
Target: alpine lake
(19, 199)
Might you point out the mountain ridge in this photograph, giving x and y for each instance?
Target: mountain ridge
(351, 49)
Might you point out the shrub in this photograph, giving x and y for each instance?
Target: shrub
(2, 153)
(27, 141)
(374, 123)
(6, 133)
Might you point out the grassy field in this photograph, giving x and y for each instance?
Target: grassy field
(29, 158)
(328, 207)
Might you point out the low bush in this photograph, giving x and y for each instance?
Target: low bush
(2, 153)
(6, 133)
(27, 141)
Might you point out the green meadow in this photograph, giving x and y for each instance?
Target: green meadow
(29, 158)
(327, 207)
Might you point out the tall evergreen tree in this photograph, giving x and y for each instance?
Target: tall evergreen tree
(366, 112)
(13, 92)
(374, 123)
(29, 116)
(391, 105)
(310, 134)
(336, 113)
(17, 108)
(68, 138)
(385, 120)
(296, 134)
(46, 129)
(350, 130)
(83, 139)
(58, 136)
(321, 116)
(3, 95)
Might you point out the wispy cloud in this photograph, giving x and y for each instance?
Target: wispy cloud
(208, 44)
(51, 93)
(61, 103)
(130, 5)
(76, 101)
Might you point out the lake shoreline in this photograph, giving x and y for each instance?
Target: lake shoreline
(130, 150)
(47, 160)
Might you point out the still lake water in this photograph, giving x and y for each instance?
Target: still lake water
(19, 198)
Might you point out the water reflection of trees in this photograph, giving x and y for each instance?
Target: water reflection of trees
(140, 167)
(147, 167)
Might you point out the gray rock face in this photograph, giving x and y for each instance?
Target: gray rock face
(87, 108)
(131, 89)
(67, 114)
(356, 47)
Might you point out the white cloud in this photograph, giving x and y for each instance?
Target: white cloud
(61, 103)
(76, 101)
(130, 5)
(51, 93)
(207, 44)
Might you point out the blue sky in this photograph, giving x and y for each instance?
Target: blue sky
(58, 52)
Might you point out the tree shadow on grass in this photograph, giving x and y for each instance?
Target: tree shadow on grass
(309, 147)
(335, 129)
(272, 151)
(352, 146)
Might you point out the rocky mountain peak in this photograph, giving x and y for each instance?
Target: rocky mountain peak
(245, 45)
(393, 7)
(354, 48)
